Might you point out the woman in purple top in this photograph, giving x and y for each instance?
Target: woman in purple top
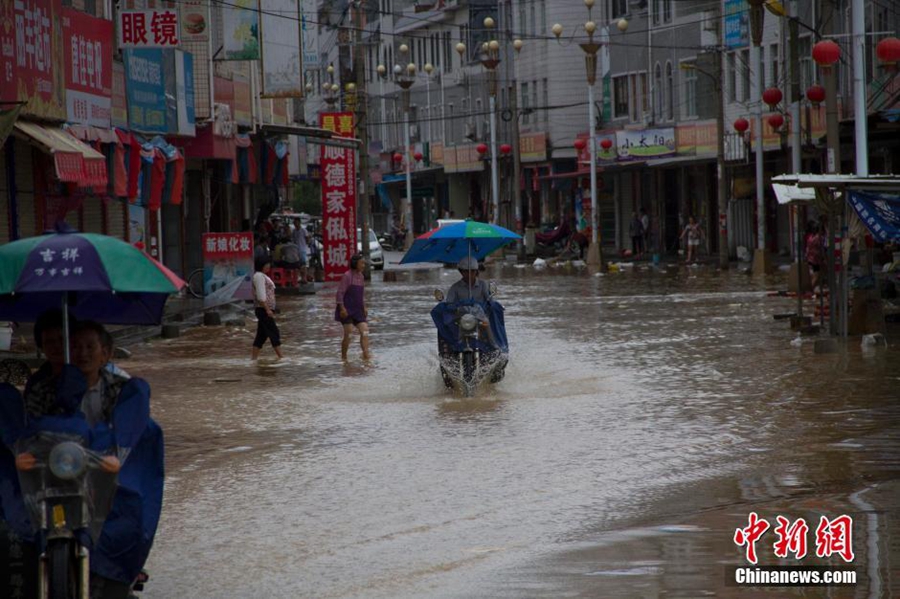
(351, 306)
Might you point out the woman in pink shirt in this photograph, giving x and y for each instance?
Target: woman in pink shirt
(351, 306)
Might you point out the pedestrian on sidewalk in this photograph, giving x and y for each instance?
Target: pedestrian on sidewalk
(300, 237)
(815, 252)
(636, 230)
(645, 229)
(264, 296)
(351, 306)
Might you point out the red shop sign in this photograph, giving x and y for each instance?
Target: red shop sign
(87, 42)
(338, 197)
(36, 53)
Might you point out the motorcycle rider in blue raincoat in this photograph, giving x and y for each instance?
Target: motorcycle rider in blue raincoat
(59, 392)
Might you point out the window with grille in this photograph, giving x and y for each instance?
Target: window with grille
(690, 91)
(745, 75)
(670, 92)
(620, 96)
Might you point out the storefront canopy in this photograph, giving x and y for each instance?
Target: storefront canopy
(879, 212)
(74, 161)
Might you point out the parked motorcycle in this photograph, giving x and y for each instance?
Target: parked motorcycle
(68, 476)
(472, 343)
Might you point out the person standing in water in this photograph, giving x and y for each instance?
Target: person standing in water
(264, 296)
(351, 306)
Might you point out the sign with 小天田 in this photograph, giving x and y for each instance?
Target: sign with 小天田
(645, 143)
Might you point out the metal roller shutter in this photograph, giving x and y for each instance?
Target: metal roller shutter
(25, 205)
(115, 219)
(92, 215)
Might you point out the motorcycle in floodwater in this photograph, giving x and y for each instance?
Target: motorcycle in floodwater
(68, 475)
(472, 343)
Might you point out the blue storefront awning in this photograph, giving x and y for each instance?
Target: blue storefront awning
(879, 212)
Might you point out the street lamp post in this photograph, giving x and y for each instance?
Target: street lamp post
(590, 48)
(382, 75)
(761, 262)
(490, 59)
(428, 68)
(406, 82)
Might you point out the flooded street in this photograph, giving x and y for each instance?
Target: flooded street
(642, 417)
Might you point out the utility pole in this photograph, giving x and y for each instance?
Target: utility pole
(761, 262)
(722, 190)
(833, 159)
(794, 96)
(517, 168)
(362, 111)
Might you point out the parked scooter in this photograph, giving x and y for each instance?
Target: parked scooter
(472, 343)
(68, 475)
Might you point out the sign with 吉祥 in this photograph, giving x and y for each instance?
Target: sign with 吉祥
(227, 267)
(148, 28)
(240, 19)
(146, 90)
(282, 66)
(338, 197)
(89, 67)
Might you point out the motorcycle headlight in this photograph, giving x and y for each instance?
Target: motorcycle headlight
(468, 323)
(67, 460)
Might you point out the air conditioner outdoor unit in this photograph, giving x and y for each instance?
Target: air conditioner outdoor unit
(709, 18)
(470, 131)
(414, 131)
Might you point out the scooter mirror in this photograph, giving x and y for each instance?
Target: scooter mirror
(492, 288)
(438, 295)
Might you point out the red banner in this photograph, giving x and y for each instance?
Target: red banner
(338, 197)
(88, 49)
(38, 57)
(8, 91)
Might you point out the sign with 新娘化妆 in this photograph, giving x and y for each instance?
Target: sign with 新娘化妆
(146, 90)
(338, 176)
(88, 42)
(227, 267)
(156, 28)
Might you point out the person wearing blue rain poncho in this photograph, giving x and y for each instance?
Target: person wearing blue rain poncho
(93, 398)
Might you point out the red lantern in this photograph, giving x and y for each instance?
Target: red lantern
(816, 94)
(888, 51)
(482, 148)
(741, 125)
(580, 144)
(418, 156)
(772, 96)
(606, 143)
(826, 53)
(776, 121)
(505, 149)
(398, 157)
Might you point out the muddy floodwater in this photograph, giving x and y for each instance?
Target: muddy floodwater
(643, 416)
